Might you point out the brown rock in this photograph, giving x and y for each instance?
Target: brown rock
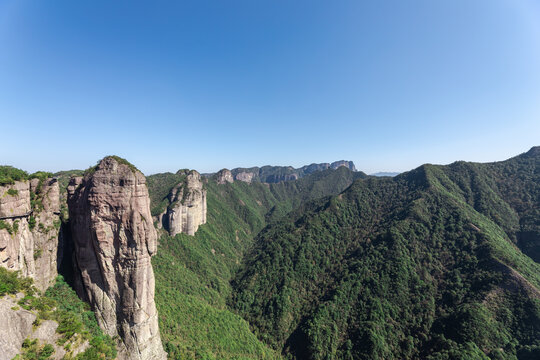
(114, 240)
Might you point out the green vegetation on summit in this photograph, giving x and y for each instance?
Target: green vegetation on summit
(9, 174)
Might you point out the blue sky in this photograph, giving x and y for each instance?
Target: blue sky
(213, 84)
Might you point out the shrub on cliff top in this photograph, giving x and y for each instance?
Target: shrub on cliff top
(9, 174)
(118, 159)
(41, 175)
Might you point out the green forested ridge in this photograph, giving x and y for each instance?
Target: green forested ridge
(193, 273)
(424, 265)
(442, 262)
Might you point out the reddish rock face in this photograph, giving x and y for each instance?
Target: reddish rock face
(114, 240)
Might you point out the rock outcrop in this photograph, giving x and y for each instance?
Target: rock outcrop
(276, 174)
(114, 239)
(245, 176)
(348, 164)
(29, 229)
(224, 176)
(187, 206)
(310, 169)
(19, 324)
(16, 326)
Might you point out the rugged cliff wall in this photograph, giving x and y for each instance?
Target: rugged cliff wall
(276, 174)
(224, 176)
(29, 228)
(187, 209)
(114, 240)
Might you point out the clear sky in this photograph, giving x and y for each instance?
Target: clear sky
(212, 84)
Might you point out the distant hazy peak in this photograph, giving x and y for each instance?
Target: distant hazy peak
(385, 173)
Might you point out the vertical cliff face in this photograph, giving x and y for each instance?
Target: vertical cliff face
(187, 209)
(245, 176)
(224, 176)
(46, 214)
(114, 239)
(29, 229)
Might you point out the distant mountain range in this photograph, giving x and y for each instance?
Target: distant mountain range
(385, 173)
(275, 174)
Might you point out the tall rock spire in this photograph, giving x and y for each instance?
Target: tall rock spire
(114, 240)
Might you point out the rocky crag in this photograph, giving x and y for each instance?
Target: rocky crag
(30, 228)
(276, 174)
(224, 176)
(114, 240)
(186, 209)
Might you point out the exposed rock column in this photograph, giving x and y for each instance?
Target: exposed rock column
(29, 236)
(188, 206)
(46, 231)
(114, 240)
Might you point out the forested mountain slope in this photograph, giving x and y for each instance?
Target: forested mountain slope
(193, 273)
(423, 265)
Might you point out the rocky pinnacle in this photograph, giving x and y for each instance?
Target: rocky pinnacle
(114, 240)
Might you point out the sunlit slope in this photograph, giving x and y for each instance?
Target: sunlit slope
(423, 265)
(193, 273)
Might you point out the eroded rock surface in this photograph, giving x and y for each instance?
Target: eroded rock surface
(114, 240)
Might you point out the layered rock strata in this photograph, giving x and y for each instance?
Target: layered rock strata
(114, 239)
